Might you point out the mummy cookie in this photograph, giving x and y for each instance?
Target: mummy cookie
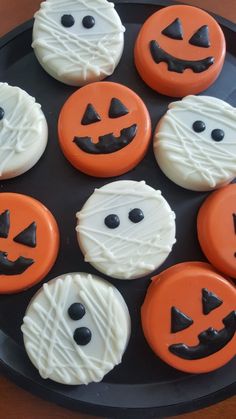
(189, 317)
(23, 131)
(126, 229)
(195, 143)
(76, 329)
(78, 42)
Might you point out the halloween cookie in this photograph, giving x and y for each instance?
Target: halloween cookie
(76, 329)
(29, 241)
(76, 41)
(180, 50)
(23, 131)
(105, 137)
(189, 317)
(126, 229)
(195, 144)
(216, 224)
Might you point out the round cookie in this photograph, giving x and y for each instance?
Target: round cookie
(180, 50)
(216, 225)
(29, 242)
(194, 143)
(126, 229)
(78, 42)
(76, 329)
(23, 131)
(189, 317)
(105, 137)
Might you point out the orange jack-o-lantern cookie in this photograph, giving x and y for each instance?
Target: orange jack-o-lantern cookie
(180, 50)
(216, 226)
(29, 242)
(104, 129)
(189, 317)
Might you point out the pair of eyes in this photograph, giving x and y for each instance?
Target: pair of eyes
(82, 335)
(216, 134)
(88, 21)
(199, 39)
(181, 321)
(116, 110)
(113, 221)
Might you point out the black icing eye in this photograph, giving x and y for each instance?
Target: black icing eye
(76, 311)
(201, 37)
(27, 236)
(199, 126)
(2, 113)
(112, 221)
(210, 301)
(67, 21)
(174, 30)
(82, 335)
(88, 22)
(217, 134)
(136, 215)
(117, 109)
(179, 320)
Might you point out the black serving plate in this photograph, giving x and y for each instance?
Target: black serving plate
(142, 386)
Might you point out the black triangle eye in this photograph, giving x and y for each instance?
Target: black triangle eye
(117, 109)
(27, 236)
(201, 37)
(90, 116)
(210, 301)
(179, 320)
(174, 30)
(4, 224)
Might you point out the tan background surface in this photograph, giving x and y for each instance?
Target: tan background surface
(16, 403)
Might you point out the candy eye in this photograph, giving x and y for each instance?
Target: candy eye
(136, 215)
(2, 113)
(88, 22)
(67, 21)
(199, 126)
(217, 134)
(76, 311)
(82, 335)
(112, 221)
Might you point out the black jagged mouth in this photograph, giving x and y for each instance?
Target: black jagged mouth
(108, 143)
(210, 341)
(17, 267)
(176, 64)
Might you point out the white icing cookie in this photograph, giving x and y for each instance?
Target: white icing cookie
(195, 143)
(78, 41)
(23, 131)
(76, 329)
(126, 229)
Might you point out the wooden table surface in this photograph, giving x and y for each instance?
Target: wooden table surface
(16, 403)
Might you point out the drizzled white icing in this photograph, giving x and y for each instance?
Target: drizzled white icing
(194, 160)
(78, 55)
(23, 131)
(48, 330)
(133, 249)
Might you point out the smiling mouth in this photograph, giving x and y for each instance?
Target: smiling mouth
(108, 143)
(177, 65)
(210, 341)
(8, 267)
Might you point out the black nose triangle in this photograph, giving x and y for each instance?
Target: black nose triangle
(174, 30)
(210, 301)
(117, 109)
(179, 320)
(90, 116)
(201, 37)
(27, 236)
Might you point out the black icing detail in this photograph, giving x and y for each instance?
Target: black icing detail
(117, 109)
(112, 221)
(2, 113)
(82, 336)
(174, 30)
(107, 143)
(4, 224)
(210, 341)
(201, 37)
(136, 215)
(210, 301)
(88, 22)
(67, 21)
(217, 134)
(199, 126)
(177, 65)
(234, 221)
(179, 320)
(76, 311)
(7, 267)
(27, 236)
(90, 116)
